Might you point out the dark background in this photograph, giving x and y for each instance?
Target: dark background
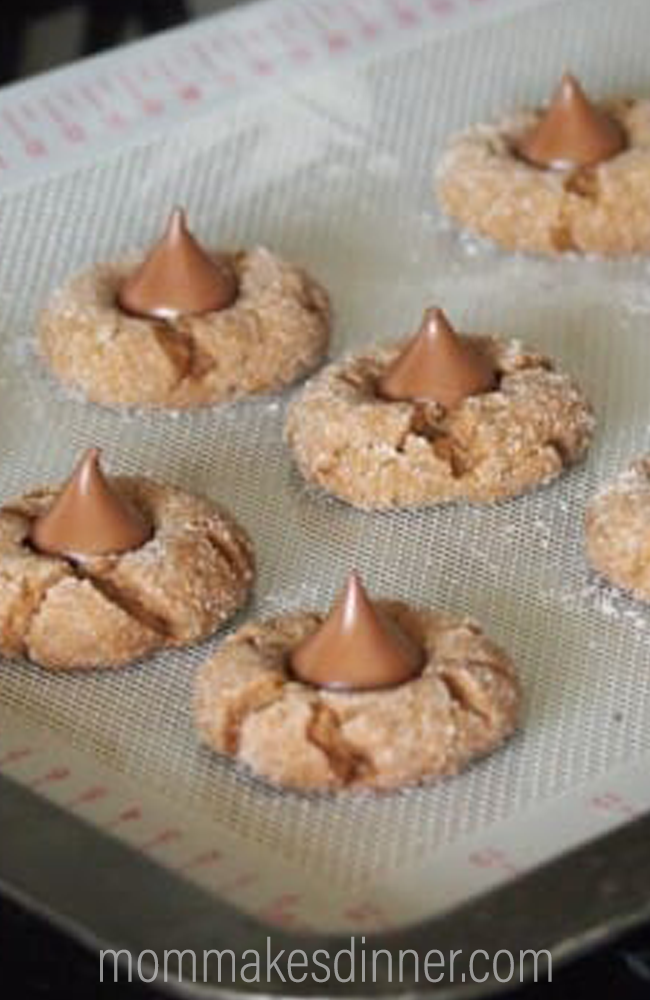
(36, 35)
(38, 963)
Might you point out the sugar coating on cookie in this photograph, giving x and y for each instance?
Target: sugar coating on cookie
(484, 184)
(276, 331)
(463, 704)
(375, 453)
(106, 611)
(617, 530)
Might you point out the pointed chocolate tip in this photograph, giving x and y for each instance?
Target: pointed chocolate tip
(88, 518)
(177, 220)
(570, 86)
(572, 132)
(437, 365)
(178, 277)
(435, 322)
(356, 647)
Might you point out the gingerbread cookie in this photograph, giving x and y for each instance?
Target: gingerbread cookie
(185, 328)
(618, 530)
(104, 572)
(494, 421)
(573, 177)
(377, 696)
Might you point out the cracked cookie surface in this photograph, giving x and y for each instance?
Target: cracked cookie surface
(465, 703)
(276, 331)
(486, 187)
(194, 573)
(617, 530)
(376, 453)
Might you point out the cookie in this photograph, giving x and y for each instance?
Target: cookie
(463, 704)
(378, 453)
(617, 530)
(275, 331)
(484, 184)
(192, 574)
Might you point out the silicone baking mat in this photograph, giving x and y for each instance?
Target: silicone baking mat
(334, 169)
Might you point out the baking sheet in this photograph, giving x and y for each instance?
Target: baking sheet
(335, 172)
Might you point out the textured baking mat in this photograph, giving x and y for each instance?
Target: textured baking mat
(336, 173)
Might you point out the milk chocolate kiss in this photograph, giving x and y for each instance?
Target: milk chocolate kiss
(356, 647)
(573, 132)
(437, 364)
(88, 518)
(178, 278)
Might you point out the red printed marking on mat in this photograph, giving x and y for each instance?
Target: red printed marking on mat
(281, 910)
(441, 7)
(337, 41)
(150, 105)
(90, 795)
(14, 756)
(72, 130)
(191, 93)
(204, 860)
(365, 913)
(50, 777)
(369, 28)
(167, 836)
(404, 15)
(614, 803)
(492, 857)
(31, 145)
(128, 815)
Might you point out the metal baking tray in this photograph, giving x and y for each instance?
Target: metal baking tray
(113, 821)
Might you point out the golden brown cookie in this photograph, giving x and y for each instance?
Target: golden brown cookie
(377, 453)
(463, 705)
(105, 611)
(489, 189)
(618, 530)
(276, 331)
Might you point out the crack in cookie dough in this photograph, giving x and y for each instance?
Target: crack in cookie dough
(109, 610)
(131, 602)
(489, 189)
(346, 762)
(375, 453)
(20, 604)
(178, 347)
(465, 703)
(617, 530)
(275, 332)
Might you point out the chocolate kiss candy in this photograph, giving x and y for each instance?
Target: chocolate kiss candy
(178, 278)
(437, 364)
(356, 647)
(88, 518)
(573, 132)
